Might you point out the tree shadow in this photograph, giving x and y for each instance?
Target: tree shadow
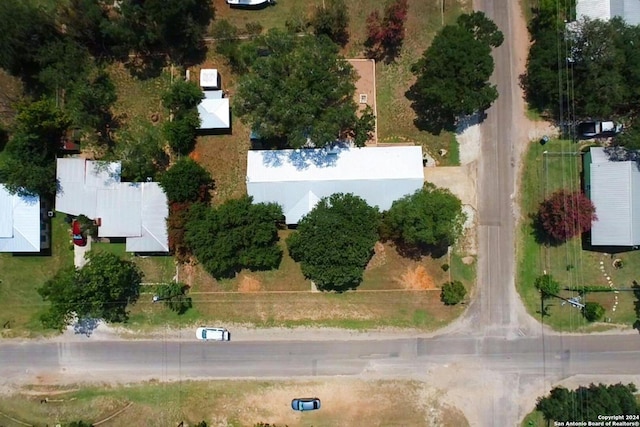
(85, 326)
(417, 252)
(145, 67)
(636, 304)
(540, 235)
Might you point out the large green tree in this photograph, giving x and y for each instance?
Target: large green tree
(103, 289)
(299, 90)
(186, 181)
(453, 73)
(174, 27)
(332, 20)
(547, 285)
(141, 152)
(235, 235)
(430, 218)
(334, 242)
(29, 165)
(589, 403)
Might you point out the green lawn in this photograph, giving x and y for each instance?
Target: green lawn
(156, 269)
(21, 275)
(572, 266)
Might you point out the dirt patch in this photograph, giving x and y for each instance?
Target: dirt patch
(248, 284)
(379, 257)
(365, 93)
(417, 278)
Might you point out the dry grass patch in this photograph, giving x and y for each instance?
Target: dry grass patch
(345, 402)
(417, 279)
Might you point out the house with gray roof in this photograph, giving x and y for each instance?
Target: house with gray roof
(298, 179)
(614, 189)
(136, 211)
(20, 222)
(628, 10)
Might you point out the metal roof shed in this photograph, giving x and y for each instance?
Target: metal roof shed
(209, 78)
(214, 111)
(19, 222)
(614, 189)
(298, 179)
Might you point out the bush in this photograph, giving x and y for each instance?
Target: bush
(565, 215)
(445, 267)
(593, 311)
(452, 293)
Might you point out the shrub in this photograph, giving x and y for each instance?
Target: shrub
(452, 293)
(593, 311)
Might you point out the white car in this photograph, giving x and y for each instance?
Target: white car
(213, 334)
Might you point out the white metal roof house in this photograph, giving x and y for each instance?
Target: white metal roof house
(209, 79)
(614, 189)
(20, 223)
(629, 10)
(298, 179)
(135, 211)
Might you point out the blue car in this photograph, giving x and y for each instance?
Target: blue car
(305, 404)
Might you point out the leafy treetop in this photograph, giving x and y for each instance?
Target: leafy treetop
(103, 289)
(186, 181)
(334, 241)
(564, 215)
(300, 90)
(332, 20)
(235, 235)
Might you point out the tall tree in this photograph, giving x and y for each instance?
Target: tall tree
(142, 153)
(29, 166)
(431, 217)
(182, 96)
(301, 91)
(87, 23)
(453, 74)
(182, 131)
(103, 289)
(186, 181)
(452, 293)
(237, 234)
(564, 215)
(335, 260)
(175, 27)
(385, 35)
(332, 20)
(174, 296)
(547, 285)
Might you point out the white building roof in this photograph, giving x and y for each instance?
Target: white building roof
(120, 210)
(209, 78)
(615, 193)
(214, 111)
(629, 10)
(155, 211)
(136, 211)
(298, 179)
(19, 222)
(78, 182)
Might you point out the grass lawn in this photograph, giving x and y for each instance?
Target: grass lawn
(396, 292)
(568, 263)
(156, 269)
(235, 403)
(21, 275)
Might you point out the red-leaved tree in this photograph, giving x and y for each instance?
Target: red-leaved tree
(385, 36)
(565, 215)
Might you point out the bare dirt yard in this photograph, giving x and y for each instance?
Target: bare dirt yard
(345, 402)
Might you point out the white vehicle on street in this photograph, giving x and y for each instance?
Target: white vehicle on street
(213, 334)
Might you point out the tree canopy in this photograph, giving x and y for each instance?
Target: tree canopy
(141, 153)
(547, 285)
(452, 293)
(385, 34)
(186, 181)
(332, 20)
(299, 90)
(564, 215)
(588, 403)
(174, 296)
(430, 218)
(103, 289)
(29, 166)
(453, 73)
(334, 242)
(235, 235)
(593, 311)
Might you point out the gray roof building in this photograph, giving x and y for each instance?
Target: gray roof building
(629, 10)
(614, 189)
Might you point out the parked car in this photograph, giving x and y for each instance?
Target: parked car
(593, 129)
(78, 238)
(213, 334)
(305, 404)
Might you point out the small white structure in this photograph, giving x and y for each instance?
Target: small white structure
(629, 10)
(19, 222)
(136, 211)
(298, 179)
(614, 189)
(209, 79)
